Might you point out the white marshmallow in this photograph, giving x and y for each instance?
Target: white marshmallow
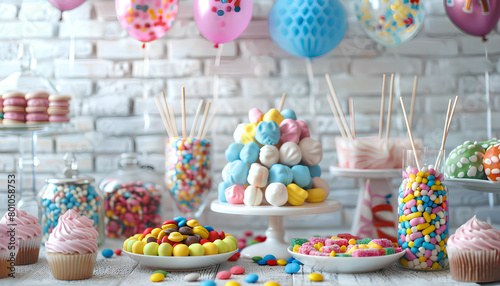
(238, 132)
(276, 194)
(269, 155)
(290, 154)
(312, 152)
(257, 176)
(253, 196)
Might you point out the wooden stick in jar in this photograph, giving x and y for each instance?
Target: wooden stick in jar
(441, 149)
(336, 115)
(283, 97)
(382, 111)
(210, 121)
(338, 106)
(409, 133)
(167, 113)
(184, 128)
(207, 108)
(413, 96)
(389, 112)
(351, 114)
(198, 112)
(172, 120)
(162, 114)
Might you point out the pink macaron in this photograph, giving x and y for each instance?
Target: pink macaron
(14, 101)
(17, 116)
(58, 118)
(38, 102)
(37, 117)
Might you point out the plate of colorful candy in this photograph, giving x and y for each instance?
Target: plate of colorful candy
(345, 254)
(180, 244)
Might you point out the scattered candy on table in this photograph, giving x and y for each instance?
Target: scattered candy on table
(272, 283)
(107, 253)
(423, 219)
(207, 283)
(162, 272)
(223, 275)
(237, 270)
(232, 283)
(251, 278)
(315, 277)
(130, 207)
(118, 252)
(157, 277)
(292, 268)
(188, 173)
(191, 277)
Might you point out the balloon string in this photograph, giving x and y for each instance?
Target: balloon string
(216, 73)
(312, 96)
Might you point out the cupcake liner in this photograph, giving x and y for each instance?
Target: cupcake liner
(29, 250)
(4, 256)
(474, 266)
(72, 266)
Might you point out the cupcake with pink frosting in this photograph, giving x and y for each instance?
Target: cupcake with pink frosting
(72, 247)
(474, 252)
(8, 251)
(28, 233)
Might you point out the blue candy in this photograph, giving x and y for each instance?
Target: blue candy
(292, 268)
(267, 133)
(238, 172)
(178, 219)
(107, 253)
(209, 228)
(251, 278)
(280, 174)
(296, 261)
(301, 175)
(233, 152)
(288, 113)
(207, 283)
(222, 189)
(269, 257)
(262, 262)
(315, 171)
(250, 153)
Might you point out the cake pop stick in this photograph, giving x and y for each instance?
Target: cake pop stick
(351, 114)
(447, 127)
(198, 112)
(162, 114)
(172, 119)
(409, 133)
(207, 108)
(441, 149)
(338, 106)
(336, 115)
(209, 124)
(167, 113)
(184, 129)
(389, 112)
(283, 97)
(382, 107)
(413, 95)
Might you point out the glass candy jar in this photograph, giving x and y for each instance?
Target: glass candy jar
(132, 198)
(71, 191)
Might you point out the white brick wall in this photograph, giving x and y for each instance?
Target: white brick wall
(110, 114)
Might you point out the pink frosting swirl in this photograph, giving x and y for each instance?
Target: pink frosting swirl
(27, 225)
(475, 235)
(5, 237)
(74, 234)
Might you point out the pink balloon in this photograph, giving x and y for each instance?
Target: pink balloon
(221, 21)
(146, 20)
(65, 5)
(476, 17)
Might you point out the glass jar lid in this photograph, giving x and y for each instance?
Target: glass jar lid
(70, 173)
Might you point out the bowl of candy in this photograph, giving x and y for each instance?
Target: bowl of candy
(180, 244)
(345, 253)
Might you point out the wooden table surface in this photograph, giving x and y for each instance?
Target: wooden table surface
(121, 270)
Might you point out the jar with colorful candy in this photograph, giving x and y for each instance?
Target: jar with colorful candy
(71, 191)
(188, 174)
(423, 211)
(132, 198)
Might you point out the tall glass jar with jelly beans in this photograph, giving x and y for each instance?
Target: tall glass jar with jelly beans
(188, 174)
(423, 227)
(71, 191)
(132, 198)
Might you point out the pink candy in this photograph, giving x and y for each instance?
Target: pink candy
(290, 131)
(340, 242)
(255, 115)
(315, 240)
(384, 242)
(303, 128)
(367, 252)
(235, 194)
(328, 249)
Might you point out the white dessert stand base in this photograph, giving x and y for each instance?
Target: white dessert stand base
(375, 189)
(275, 243)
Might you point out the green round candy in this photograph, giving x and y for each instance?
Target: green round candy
(165, 249)
(256, 258)
(466, 161)
(130, 243)
(234, 240)
(231, 245)
(151, 249)
(489, 143)
(162, 272)
(222, 246)
(196, 249)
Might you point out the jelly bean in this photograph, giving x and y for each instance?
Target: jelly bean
(256, 258)
(224, 275)
(157, 277)
(271, 283)
(232, 283)
(315, 277)
(107, 253)
(251, 278)
(292, 268)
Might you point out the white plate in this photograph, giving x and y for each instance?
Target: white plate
(347, 264)
(180, 262)
(366, 173)
(326, 206)
(485, 186)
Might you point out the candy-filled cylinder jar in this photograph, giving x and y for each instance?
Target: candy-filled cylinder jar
(423, 228)
(71, 191)
(132, 198)
(188, 173)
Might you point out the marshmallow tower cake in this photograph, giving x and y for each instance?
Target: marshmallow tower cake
(273, 158)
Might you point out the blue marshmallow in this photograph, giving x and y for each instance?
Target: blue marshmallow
(222, 189)
(267, 133)
(301, 175)
(288, 113)
(250, 153)
(280, 174)
(315, 171)
(233, 152)
(238, 173)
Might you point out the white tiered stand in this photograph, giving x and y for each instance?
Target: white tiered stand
(275, 243)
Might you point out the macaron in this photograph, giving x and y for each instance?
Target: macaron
(59, 97)
(14, 115)
(57, 111)
(37, 98)
(14, 98)
(58, 118)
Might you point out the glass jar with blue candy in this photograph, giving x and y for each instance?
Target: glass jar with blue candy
(71, 191)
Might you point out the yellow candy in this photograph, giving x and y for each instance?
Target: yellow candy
(433, 216)
(352, 241)
(203, 232)
(157, 277)
(161, 235)
(335, 237)
(181, 250)
(126, 242)
(316, 195)
(139, 236)
(272, 283)
(318, 245)
(428, 230)
(193, 223)
(352, 249)
(138, 247)
(403, 262)
(296, 195)
(156, 231)
(422, 226)
(363, 246)
(420, 174)
(210, 248)
(420, 202)
(408, 198)
(282, 262)
(148, 236)
(435, 265)
(374, 245)
(418, 180)
(296, 248)
(176, 236)
(249, 133)
(129, 244)
(170, 225)
(343, 248)
(413, 215)
(315, 277)
(332, 254)
(273, 115)
(422, 258)
(411, 244)
(416, 194)
(232, 283)
(408, 231)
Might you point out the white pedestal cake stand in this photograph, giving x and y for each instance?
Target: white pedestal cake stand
(275, 243)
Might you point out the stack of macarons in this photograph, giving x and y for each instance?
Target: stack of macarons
(1, 109)
(14, 108)
(58, 108)
(37, 102)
